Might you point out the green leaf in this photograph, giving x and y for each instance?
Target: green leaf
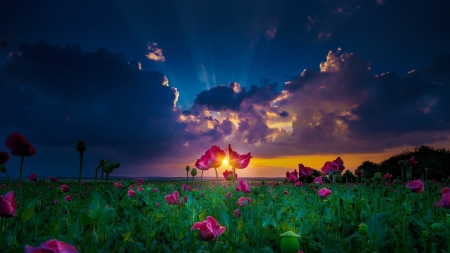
(202, 215)
(126, 236)
(28, 213)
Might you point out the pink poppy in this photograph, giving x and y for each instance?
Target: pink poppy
(359, 172)
(237, 213)
(330, 167)
(387, 176)
(117, 184)
(445, 190)
(241, 201)
(291, 177)
(185, 199)
(131, 193)
(172, 199)
(340, 163)
(243, 186)
(298, 184)
(238, 161)
(304, 171)
(55, 201)
(53, 179)
(412, 161)
(64, 188)
(317, 180)
(8, 205)
(68, 198)
(209, 229)
(228, 175)
(324, 192)
(157, 204)
(155, 190)
(286, 192)
(416, 186)
(19, 145)
(184, 187)
(140, 188)
(445, 201)
(217, 155)
(51, 246)
(32, 177)
(140, 181)
(4, 157)
(228, 195)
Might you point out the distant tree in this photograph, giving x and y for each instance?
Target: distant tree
(369, 168)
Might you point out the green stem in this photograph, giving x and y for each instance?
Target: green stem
(79, 190)
(217, 179)
(9, 180)
(96, 172)
(20, 182)
(201, 178)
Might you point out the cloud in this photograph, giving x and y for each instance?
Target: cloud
(4, 41)
(155, 53)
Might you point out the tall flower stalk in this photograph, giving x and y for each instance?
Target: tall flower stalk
(81, 147)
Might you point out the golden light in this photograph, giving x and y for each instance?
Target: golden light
(224, 162)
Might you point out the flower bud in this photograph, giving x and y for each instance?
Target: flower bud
(377, 176)
(102, 162)
(425, 234)
(338, 178)
(261, 196)
(262, 182)
(2, 168)
(408, 211)
(255, 190)
(289, 242)
(108, 167)
(363, 229)
(298, 222)
(81, 146)
(188, 168)
(194, 172)
(401, 162)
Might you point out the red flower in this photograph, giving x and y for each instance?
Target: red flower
(317, 180)
(243, 186)
(238, 161)
(209, 229)
(51, 246)
(172, 199)
(4, 157)
(131, 193)
(237, 213)
(445, 201)
(304, 171)
(8, 205)
(298, 184)
(32, 177)
(241, 201)
(140, 188)
(291, 177)
(184, 187)
(117, 184)
(324, 192)
(217, 155)
(68, 198)
(330, 167)
(387, 176)
(228, 175)
(19, 145)
(340, 162)
(53, 179)
(415, 186)
(412, 162)
(140, 181)
(64, 188)
(445, 190)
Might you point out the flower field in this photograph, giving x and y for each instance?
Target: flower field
(333, 212)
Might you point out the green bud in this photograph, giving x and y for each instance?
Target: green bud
(188, 168)
(197, 195)
(338, 178)
(426, 169)
(255, 190)
(408, 211)
(363, 229)
(2, 168)
(38, 206)
(261, 196)
(277, 183)
(289, 242)
(298, 222)
(81, 146)
(377, 176)
(11, 241)
(194, 172)
(262, 182)
(425, 234)
(102, 162)
(108, 167)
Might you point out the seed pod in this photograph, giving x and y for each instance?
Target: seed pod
(363, 229)
(289, 242)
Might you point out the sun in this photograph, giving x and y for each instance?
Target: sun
(225, 161)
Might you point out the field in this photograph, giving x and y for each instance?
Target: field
(373, 216)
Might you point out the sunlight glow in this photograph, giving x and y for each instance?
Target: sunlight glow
(225, 162)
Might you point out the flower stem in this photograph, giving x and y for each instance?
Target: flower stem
(9, 180)
(217, 178)
(96, 172)
(79, 190)
(20, 182)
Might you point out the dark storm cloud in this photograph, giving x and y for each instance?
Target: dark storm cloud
(4, 41)
(58, 95)
(284, 114)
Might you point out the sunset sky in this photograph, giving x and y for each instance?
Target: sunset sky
(154, 84)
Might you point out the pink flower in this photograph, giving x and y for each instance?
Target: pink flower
(155, 190)
(238, 161)
(304, 171)
(53, 179)
(412, 162)
(340, 163)
(131, 193)
(51, 246)
(324, 192)
(359, 172)
(172, 199)
(228, 175)
(445, 201)
(291, 177)
(19, 145)
(416, 186)
(317, 180)
(140, 188)
(387, 176)
(241, 201)
(185, 199)
(286, 192)
(298, 184)
(228, 196)
(32, 177)
(445, 190)
(237, 213)
(330, 167)
(8, 205)
(4, 157)
(68, 198)
(64, 188)
(243, 186)
(118, 184)
(184, 187)
(140, 181)
(209, 229)
(157, 204)
(212, 158)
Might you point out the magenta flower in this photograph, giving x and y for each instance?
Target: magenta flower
(387, 176)
(131, 193)
(228, 175)
(298, 184)
(228, 195)
(117, 184)
(184, 187)
(4, 157)
(155, 190)
(140, 181)
(19, 145)
(8, 205)
(286, 192)
(64, 188)
(51, 246)
(172, 199)
(304, 171)
(68, 198)
(445, 190)
(324, 192)
(53, 179)
(241, 201)
(212, 158)
(209, 229)
(238, 161)
(243, 186)
(140, 188)
(359, 172)
(330, 167)
(157, 204)
(32, 177)
(55, 201)
(317, 180)
(412, 162)
(416, 186)
(237, 213)
(340, 163)
(291, 177)
(445, 201)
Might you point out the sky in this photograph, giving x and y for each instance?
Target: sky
(154, 84)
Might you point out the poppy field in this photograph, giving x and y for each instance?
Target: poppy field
(335, 211)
